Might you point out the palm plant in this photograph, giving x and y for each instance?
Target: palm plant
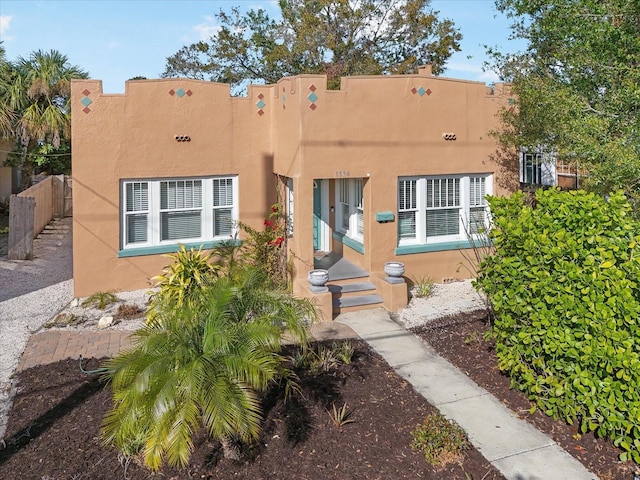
(37, 101)
(202, 365)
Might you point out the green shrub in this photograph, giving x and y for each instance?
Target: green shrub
(423, 287)
(440, 440)
(565, 287)
(182, 283)
(100, 300)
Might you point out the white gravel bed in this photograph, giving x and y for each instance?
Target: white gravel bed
(446, 299)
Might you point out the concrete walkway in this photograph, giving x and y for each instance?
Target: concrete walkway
(513, 446)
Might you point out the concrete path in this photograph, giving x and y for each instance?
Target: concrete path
(513, 446)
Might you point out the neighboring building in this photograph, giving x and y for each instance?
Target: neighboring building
(7, 174)
(544, 169)
(386, 168)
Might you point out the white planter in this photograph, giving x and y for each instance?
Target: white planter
(318, 277)
(394, 269)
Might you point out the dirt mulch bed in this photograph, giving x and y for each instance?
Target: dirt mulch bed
(53, 431)
(461, 341)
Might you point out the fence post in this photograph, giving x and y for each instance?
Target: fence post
(58, 196)
(68, 194)
(21, 225)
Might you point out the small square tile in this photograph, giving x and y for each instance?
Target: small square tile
(312, 87)
(313, 106)
(86, 92)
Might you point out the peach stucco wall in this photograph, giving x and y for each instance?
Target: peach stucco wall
(378, 129)
(132, 136)
(375, 128)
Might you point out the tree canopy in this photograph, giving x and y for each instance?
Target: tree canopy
(332, 37)
(34, 103)
(577, 85)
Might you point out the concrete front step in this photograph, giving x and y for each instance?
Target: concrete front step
(341, 289)
(356, 301)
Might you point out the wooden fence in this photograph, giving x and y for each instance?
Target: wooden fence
(32, 210)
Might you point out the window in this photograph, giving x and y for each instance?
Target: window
(164, 212)
(441, 209)
(532, 168)
(350, 211)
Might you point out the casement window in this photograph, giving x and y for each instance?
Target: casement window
(538, 168)
(350, 211)
(532, 168)
(171, 211)
(442, 209)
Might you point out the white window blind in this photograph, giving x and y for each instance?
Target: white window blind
(407, 208)
(442, 209)
(165, 211)
(443, 206)
(180, 209)
(137, 211)
(222, 206)
(477, 205)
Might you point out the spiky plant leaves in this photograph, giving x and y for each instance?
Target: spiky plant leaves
(200, 365)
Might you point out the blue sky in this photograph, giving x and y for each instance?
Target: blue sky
(115, 40)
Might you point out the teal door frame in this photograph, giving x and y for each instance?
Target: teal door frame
(321, 230)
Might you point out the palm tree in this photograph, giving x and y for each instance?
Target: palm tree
(39, 96)
(7, 115)
(202, 365)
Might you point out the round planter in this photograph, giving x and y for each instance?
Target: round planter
(318, 277)
(394, 269)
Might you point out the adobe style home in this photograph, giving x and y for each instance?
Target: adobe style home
(388, 168)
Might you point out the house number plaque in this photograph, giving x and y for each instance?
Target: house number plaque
(342, 173)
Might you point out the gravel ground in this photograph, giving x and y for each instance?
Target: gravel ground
(447, 299)
(31, 293)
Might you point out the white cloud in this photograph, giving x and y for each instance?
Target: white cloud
(206, 29)
(464, 67)
(489, 77)
(5, 21)
(113, 44)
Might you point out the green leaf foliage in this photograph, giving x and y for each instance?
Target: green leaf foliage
(201, 364)
(564, 284)
(577, 86)
(332, 37)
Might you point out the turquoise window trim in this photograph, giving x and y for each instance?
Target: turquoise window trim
(159, 249)
(432, 247)
(349, 242)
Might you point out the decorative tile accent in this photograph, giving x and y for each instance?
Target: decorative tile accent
(86, 101)
(181, 92)
(421, 91)
(284, 99)
(261, 104)
(312, 97)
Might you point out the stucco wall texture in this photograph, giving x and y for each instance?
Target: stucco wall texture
(376, 128)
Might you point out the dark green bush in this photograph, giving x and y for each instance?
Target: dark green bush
(565, 286)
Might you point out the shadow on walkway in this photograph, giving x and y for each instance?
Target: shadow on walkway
(52, 262)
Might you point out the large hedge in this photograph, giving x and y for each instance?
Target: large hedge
(564, 283)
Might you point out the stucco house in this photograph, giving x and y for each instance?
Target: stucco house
(386, 168)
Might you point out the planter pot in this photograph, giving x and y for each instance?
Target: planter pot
(318, 277)
(394, 269)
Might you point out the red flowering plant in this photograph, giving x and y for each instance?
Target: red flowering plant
(266, 249)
